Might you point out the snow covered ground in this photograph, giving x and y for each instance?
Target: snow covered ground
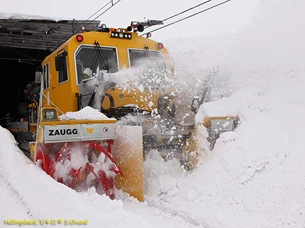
(254, 177)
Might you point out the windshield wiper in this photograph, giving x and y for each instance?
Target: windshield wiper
(101, 56)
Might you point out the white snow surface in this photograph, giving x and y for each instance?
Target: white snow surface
(86, 113)
(254, 177)
(21, 16)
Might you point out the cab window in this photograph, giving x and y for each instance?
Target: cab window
(90, 59)
(63, 71)
(46, 76)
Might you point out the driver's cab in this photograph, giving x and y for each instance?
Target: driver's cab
(116, 56)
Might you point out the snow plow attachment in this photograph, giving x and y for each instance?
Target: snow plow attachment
(129, 155)
(79, 154)
(214, 126)
(217, 125)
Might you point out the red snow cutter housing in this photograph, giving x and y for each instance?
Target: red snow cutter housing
(78, 153)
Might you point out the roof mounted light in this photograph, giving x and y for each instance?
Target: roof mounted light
(121, 34)
(160, 45)
(148, 35)
(79, 38)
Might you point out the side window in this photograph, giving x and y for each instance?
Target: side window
(46, 76)
(62, 72)
(150, 68)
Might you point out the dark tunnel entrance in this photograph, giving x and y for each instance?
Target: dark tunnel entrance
(24, 43)
(18, 67)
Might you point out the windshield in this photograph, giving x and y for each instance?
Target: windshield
(91, 58)
(150, 68)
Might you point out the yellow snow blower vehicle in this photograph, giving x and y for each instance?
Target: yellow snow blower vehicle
(119, 86)
(113, 71)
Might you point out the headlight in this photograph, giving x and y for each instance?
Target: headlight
(49, 114)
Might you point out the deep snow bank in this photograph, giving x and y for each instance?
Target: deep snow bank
(46, 199)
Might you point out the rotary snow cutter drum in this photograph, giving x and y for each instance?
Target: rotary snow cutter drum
(78, 153)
